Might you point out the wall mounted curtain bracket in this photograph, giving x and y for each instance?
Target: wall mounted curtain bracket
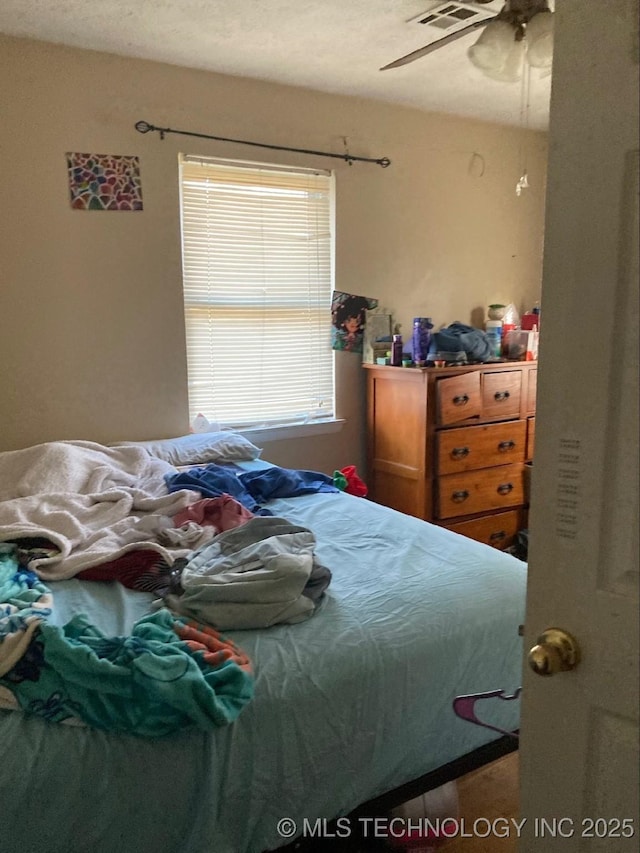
(145, 127)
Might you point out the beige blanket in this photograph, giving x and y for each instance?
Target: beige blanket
(93, 502)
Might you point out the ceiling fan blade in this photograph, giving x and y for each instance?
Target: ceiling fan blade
(429, 48)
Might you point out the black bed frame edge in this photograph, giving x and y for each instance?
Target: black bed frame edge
(434, 779)
(440, 776)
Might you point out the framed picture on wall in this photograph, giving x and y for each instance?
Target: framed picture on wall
(104, 181)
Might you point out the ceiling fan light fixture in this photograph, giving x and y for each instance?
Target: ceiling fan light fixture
(539, 37)
(511, 69)
(493, 46)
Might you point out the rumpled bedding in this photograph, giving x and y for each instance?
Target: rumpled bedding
(93, 503)
(168, 674)
(77, 508)
(279, 482)
(221, 513)
(256, 575)
(349, 704)
(251, 488)
(145, 571)
(212, 481)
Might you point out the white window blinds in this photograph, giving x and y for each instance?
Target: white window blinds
(258, 276)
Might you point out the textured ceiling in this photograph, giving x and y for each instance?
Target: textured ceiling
(334, 46)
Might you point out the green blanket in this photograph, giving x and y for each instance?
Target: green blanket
(169, 673)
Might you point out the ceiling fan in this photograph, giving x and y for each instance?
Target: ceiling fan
(522, 27)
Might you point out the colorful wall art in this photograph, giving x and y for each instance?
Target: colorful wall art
(348, 319)
(104, 182)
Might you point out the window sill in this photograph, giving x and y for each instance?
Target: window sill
(260, 435)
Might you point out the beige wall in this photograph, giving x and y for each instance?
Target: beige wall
(92, 342)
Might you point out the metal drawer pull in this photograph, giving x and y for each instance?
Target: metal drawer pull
(501, 395)
(460, 452)
(506, 445)
(458, 497)
(505, 488)
(498, 536)
(461, 400)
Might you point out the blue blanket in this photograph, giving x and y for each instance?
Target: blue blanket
(250, 488)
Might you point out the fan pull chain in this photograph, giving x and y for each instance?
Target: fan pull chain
(523, 182)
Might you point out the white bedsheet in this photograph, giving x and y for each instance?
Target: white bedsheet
(93, 502)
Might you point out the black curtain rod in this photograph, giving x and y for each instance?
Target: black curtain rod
(145, 127)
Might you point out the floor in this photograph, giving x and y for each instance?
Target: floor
(488, 799)
(489, 793)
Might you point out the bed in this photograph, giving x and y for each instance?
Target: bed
(348, 704)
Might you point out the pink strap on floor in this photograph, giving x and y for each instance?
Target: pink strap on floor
(464, 707)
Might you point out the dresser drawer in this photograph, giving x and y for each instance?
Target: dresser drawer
(480, 491)
(458, 398)
(470, 448)
(501, 394)
(498, 530)
(531, 438)
(532, 389)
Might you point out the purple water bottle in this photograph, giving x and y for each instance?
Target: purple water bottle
(396, 351)
(421, 338)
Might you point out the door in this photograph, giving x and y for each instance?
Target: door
(579, 729)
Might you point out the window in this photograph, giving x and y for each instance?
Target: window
(258, 277)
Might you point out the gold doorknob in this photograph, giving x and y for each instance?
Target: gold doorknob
(555, 651)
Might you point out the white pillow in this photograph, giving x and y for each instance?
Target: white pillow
(201, 447)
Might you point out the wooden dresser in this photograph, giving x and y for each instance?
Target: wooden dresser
(450, 444)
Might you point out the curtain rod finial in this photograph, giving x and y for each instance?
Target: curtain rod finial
(143, 126)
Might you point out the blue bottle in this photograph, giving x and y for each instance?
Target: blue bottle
(421, 338)
(493, 330)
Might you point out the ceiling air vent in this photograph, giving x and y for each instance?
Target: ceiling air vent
(450, 17)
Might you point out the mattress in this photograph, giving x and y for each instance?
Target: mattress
(351, 703)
